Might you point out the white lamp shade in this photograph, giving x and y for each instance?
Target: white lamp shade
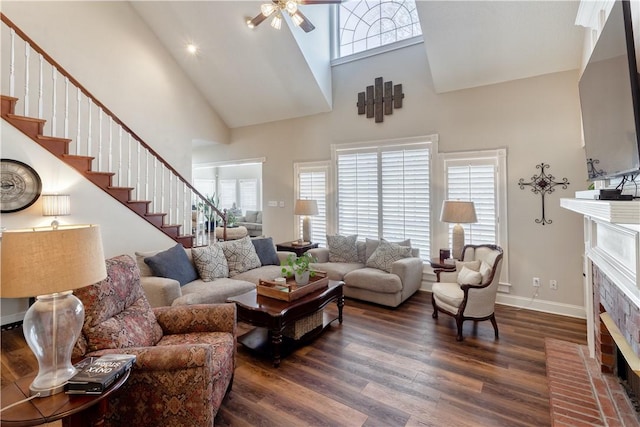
(56, 204)
(41, 261)
(458, 212)
(306, 207)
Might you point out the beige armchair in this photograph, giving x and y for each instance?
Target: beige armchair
(469, 292)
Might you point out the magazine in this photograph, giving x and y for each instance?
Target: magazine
(96, 374)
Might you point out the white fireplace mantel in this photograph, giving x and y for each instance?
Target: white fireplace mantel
(612, 242)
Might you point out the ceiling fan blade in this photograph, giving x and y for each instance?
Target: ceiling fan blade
(310, 2)
(256, 21)
(306, 25)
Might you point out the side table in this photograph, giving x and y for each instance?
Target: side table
(298, 249)
(441, 265)
(75, 410)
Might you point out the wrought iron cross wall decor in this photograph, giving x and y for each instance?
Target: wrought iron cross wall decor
(376, 103)
(543, 184)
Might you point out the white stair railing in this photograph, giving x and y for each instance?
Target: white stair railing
(97, 132)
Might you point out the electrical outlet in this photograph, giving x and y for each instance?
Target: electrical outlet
(553, 284)
(536, 282)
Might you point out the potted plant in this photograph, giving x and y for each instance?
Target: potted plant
(209, 213)
(299, 267)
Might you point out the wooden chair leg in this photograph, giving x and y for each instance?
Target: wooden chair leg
(495, 324)
(435, 307)
(459, 321)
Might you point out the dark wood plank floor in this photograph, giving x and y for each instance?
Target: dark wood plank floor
(390, 367)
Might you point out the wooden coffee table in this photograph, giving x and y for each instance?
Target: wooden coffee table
(271, 316)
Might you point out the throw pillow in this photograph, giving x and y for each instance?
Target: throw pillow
(210, 262)
(386, 254)
(251, 216)
(372, 244)
(485, 271)
(466, 276)
(342, 248)
(471, 265)
(173, 264)
(266, 251)
(241, 255)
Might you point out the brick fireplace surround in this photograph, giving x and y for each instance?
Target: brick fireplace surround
(612, 304)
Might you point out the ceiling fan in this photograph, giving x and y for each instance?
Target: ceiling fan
(279, 7)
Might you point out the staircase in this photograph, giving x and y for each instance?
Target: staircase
(105, 151)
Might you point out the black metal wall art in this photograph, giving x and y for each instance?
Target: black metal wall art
(543, 184)
(378, 102)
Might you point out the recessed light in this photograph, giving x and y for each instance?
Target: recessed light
(192, 48)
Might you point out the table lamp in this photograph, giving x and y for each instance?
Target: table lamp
(49, 263)
(306, 208)
(458, 212)
(56, 205)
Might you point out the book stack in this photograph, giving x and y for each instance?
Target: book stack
(96, 374)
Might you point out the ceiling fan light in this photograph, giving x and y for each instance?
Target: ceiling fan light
(267, 9)
(276, 22)
(291, 6)
(297, 19)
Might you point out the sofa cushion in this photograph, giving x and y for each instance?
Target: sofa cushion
(372, 245)
(466, 276)
(342, 248)
(259, 217)
(266, 251)
(251, 216)
(266, 272)
(216, 292)
(173, 264)
(241, 255)
(210, 262)
(122, 303)
(386, 254)
(336, 270)
(374, 280)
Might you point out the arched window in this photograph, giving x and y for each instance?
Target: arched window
(368, 25)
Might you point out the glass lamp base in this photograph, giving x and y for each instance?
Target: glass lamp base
(51, 327)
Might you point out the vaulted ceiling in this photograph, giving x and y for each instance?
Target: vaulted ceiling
(262, 75)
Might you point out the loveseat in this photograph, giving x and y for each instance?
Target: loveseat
(207, 275)
(375, 271)
(252, 221)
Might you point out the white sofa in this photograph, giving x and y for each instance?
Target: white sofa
(252, 221)
(163, 291)
(372, 284)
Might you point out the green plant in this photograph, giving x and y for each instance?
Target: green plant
(298, 265)
(231, 218)
(210, 214)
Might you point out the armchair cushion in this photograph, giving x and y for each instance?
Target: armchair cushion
(210, 262)
(117, 313)
(342, 248)
(449, 293)
(471, 265)
(173, 264)
(386, 254)
(485, 272)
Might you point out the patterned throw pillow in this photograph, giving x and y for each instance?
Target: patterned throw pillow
(372, 245)
(210, 262)
(386, 254)
(173, 264)
(241, 255)
(342, 248)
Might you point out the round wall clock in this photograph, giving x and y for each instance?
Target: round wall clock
(20, 185)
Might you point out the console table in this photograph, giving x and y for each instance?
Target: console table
(298, 249)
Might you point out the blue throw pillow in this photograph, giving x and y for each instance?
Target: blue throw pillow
(173, 264)
(266, 251)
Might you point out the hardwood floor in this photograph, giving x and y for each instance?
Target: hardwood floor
(390, 367)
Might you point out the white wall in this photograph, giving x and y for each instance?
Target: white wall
(116, 57)
(122, 230)
(536, 120)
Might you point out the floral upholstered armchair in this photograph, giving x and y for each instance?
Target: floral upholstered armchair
(185, 355)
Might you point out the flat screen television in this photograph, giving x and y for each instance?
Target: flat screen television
(610, 100)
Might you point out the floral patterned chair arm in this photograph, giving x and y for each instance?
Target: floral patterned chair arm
(197, 318)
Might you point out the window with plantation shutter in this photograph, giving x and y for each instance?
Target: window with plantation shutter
(312, 184)
(227, 193)
(383, 191)
(479, 177)
(248, 194)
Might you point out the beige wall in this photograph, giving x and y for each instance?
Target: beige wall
(536, 120)
(99, 43)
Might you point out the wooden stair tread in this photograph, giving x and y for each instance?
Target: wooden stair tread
(101, 173)
(54, 138)
(112, 187)
(76, 156)
(25, 118)
(139, 201)
(155, 214)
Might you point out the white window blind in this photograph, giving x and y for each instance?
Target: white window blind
(227, 193)
(248, 194)
(312, 185)
(206, 187)
(383, 192)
